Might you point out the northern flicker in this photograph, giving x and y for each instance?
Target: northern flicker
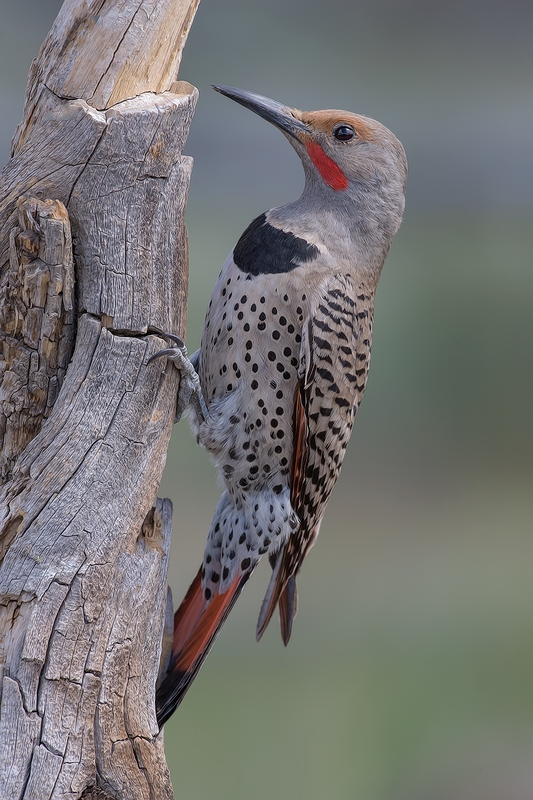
(274, 389)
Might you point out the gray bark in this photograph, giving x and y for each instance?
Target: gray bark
(84, 421)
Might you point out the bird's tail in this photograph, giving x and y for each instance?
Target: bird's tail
(197, 623)
(281, 592)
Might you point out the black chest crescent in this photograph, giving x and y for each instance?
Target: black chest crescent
(265, 249)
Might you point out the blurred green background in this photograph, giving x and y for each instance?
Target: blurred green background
(409, 674)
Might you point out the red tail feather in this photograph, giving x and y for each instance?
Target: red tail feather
(196, 626)
(188, 614)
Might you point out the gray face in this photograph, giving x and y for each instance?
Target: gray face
(360, 147)
(355, 173)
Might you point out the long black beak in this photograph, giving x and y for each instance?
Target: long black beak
(279, 115)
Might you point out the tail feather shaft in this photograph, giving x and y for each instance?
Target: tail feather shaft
(287, 604)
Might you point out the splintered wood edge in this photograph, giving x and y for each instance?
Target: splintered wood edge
(109, 52)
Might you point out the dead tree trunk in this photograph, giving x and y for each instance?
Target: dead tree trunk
(84, 423)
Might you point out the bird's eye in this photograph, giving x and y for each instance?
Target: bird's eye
(343, 133)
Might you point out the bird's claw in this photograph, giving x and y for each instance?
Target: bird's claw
(168, 350)
(176, 339)
(190, 390)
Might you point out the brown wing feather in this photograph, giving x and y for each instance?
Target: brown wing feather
(301, 451)
(280, 577)
(338, 340)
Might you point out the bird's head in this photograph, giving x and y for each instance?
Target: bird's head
(339, 150)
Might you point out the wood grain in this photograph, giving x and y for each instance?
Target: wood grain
(93, 256)
(108, 51)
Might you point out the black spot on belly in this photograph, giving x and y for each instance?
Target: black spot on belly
(263, 248)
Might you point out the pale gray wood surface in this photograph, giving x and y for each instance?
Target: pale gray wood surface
(109, 50)
(84, 553)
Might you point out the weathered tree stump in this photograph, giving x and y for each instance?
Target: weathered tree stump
(96, 168)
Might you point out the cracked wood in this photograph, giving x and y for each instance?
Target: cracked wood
(84, 544)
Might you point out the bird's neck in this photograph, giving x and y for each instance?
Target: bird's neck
(355, 226)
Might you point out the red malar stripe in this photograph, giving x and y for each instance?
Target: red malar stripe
(332, 174)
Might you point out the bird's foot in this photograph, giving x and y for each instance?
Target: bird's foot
(190, 391)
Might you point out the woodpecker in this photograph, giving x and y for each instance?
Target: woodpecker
(274, 389)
